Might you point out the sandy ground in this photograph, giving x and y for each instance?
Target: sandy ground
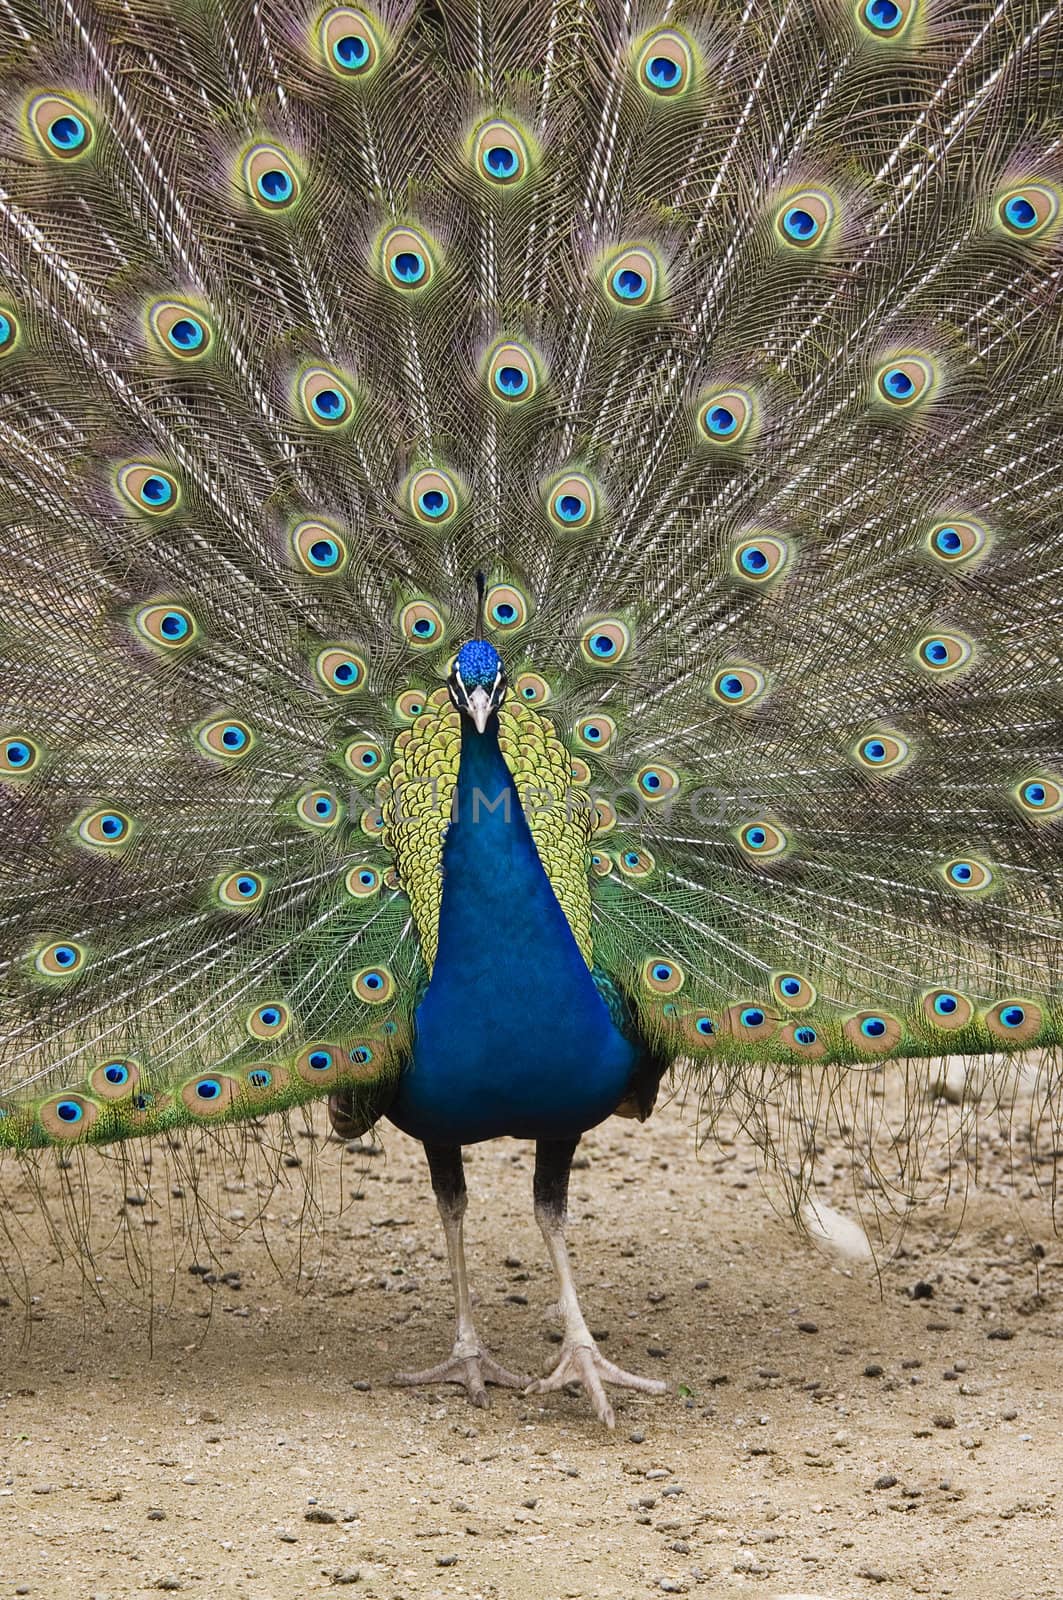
(830, 1432)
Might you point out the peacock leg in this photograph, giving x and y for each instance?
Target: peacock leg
(468, 1362)
(581, 1361)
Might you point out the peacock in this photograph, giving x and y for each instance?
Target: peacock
(531, 566)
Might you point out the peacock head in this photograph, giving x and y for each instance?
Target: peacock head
(478, 682)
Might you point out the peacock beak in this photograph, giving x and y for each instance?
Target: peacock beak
(481, 704)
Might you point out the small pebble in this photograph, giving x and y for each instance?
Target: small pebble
(169, 1582)
(287, 1538)
(658, 1350)
(350, 1575)
(887, 1481)
(922, 1290)
(944, 1419)
(1010, 1414)
(640, 1438)
(1000, 1333)
(808, 1327)
(529, 1505)
(156, 1514)
(873, 1574)
(872, 1370)
(319, 1514)
(446, 1561)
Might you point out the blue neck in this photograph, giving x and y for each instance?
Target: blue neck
(512, 1035)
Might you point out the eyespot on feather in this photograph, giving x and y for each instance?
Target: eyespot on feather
(319, 548)
(269, 1020)
(738, 686)
(631, 280)
(270, 178)
(104, 828)
(318, 809)
(374, 985)
(432, 496)
(957, 542)
(601, 863)
(225, 739)
(240, 891)
(500, 153)
(170, 627)
(262, 1080)
(348, 43)
(364, 757)
(579, 772)
(605, 818)
(873, 1033)
(180, 330)
(531, 688)
(67, 1116)
(407, 259)
(19, 756)
(905, 381)
(115, 1079)
(943, 653)
(340, 669)
(664, 64)
(635, 863)
(1040, 798)
(803, 1039)
(661, 975)
(881, 751)
(326, 400)
(1015, 1022)
(885, 19)
(947, 1009)
(1028, 211)
(63, 958)
(571, 501)
(595, 733)
(726, 417)
(793, 991)
(803, 221)
(149, 488)
(761, 840)
(512, 374)
(63, 129)
(421, 625)
(657, 782)
(10, 332)
(750, 1021)
(760, 558)
(968, 875)
(506, 608)
(362, 881)
(701, 1030)
(209, 1094)
(606, 642)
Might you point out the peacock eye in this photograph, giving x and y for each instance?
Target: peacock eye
(9, 332)
(506, 607)
(374, 985)
(319, 548)
(662, 976)
(340, 669)
(968, 875)
(361, 882)
(760, 558)
(762, 840)
(726, 417)
(421, 624)
(944, 652)
(407, 259)
(571, 501)
(882, 752)
(348, 43)
(500, 152)
(432, 496)
(209, 1096)
(636, 863)
(1027, 212)
(62, 959)
(665, 64)
(169, 626)
(63, 129)
(657, 782)
(793, 991)
(738, 685)
(872, 1032)
(327, 401)
(18, 757)
(104, 829)
(944, 1008)
(1015, 1021)
(596, 733)
(805, 219)
(318, 808)
(631, 279)
(885, 19)
(363, 757)
(270, 178)
(532, 688)
(148, 488)
(269, 1021)
(904, 382)
(241, 891)
(511, 373)
(1040, 797)
(605, 643)
(180, 330)
(956, 541)
(114, 1080)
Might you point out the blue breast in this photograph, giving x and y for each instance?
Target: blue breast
(512, 1036)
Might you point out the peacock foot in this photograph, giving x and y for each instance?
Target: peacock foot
(584, 1364)
(472, 1368)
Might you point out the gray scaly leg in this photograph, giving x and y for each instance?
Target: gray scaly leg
(468, 1362)
(581, 1361)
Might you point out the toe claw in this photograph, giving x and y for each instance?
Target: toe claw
(472, 1372)
(584, 1364)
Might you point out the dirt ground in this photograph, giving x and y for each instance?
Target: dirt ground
(832, 1431)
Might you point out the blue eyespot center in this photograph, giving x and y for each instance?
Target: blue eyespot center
(872, 1027)
(362, 1055)
(233, 738)
(500, 161)
(434, 502)
(330, 404)
(320, 1060)
(754, 560)
(408, 266)
(752, 1017)
(156, 491)
(662, 972)
(732, 687)
(259, 1078)
(113, 827)
(874, 750)
(1013, 1016)
(629, 284)
(116, 1073)
(69, 1111)
(351, 52)
(705, 1025)
(186, 334)
(64, 955)
(504, 612)
(208, 1088)
(805, 1035)
(800, 224)
(1019, 212)
(755, 837)
(948, 541)
(424, 628)
(275, 185)
(961, 872)
(67, 132)
(323, 806)
(1034, 794)
(18, 754)
(898, 384)
(936, 650)
(945, 1005)
(269, 1016)
(791, 986)
(882, 14)
(721, 421)
(344, 673)
(603, 645)
(511, 380)
(569, 507)
(246, 886)
(663, 72)
(174, 625)
(324, 552)
(367, 878)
